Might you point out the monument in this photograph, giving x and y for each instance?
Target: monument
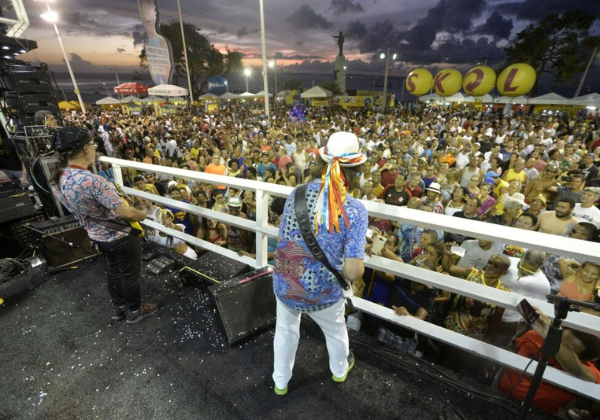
(339, 73)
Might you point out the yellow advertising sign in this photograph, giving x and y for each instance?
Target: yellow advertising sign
(291, 96)
(320, 102)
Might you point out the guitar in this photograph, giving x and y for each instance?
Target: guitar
(136, 227)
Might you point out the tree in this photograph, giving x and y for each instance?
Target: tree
(204, 59)
(293, 84)
(559, 45)
(333, 87)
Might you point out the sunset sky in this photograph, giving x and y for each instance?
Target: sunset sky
(442, 33)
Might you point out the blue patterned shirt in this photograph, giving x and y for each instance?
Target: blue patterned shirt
(301, 282)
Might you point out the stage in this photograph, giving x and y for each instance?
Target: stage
(62, 359)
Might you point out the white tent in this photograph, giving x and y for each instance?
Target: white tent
(459, 97)
(316, 92)
(519, 100)
(549, 99)
(247, 95)
(109, 100)
(261, 94)
(167, 90)
(208, 95)
(149, 99)
(430, 97)
(229, 95)
(282, 94)
(129, 99)
(486, 99)
(592, 99)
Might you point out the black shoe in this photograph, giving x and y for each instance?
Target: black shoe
(118, 312)
(145, 310)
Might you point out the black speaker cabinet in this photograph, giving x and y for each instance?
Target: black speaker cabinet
(213, 268)
(245, 304)
(59, 254)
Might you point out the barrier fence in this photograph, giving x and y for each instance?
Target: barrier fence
(557, 245)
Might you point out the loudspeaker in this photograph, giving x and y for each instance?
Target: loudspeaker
(213, 268)
(245, 304)
(58, 254)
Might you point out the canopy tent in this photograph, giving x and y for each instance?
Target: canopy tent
(261, 94)
(208, 95)
(549, 99)
(282, 94)
(109, 100)
(430, 97)
(519, 100)
(129, 99)
(229, 95)
(64, 105)
(459, 97)
(592, 99)
(167, 90)
(247, 95)
(75, 103)
(316, 92)
(129, 88)
(486, 99)
(149, 99)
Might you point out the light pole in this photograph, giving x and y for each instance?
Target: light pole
(385, 77)
(117, 76)
(247, 73)
(106, 89)
(273, 65)
(52, 17)
(264, 59)
(187, 67)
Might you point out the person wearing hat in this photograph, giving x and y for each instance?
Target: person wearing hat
(238, 239)
(304, 285)
(432, 195)
(96, 204)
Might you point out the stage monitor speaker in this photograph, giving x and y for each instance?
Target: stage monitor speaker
(245, 304)
(58, 254)
(212, 268)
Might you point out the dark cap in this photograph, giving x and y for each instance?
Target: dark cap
(70, 138)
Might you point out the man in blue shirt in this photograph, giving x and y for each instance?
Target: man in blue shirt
(304, 285)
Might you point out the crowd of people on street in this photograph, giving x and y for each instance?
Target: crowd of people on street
(534, 172)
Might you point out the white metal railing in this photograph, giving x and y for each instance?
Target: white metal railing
(532, 240)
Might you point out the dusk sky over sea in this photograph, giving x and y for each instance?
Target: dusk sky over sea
(428, 33)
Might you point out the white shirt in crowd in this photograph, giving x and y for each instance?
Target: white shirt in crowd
(534, 286)
(590, 214)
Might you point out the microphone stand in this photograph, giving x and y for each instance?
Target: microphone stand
(551, 345)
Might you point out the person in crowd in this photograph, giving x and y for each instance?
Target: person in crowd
(98, 207)
(588, 168)
(396, 194)
(412, 187)
(575, 355)
(140, 184)
(525, 278)
(468, 316)
(477, 252)
(580, 281)
(218, 168)
(181, 216)
(368, 193)
(537, 205)
(572, 188)
(310, 288)
(457, 201)
(469, 211)
(171, 242)
(587, 210)
(512, 211)
(470, 171)
(560, 221)
(487, 201)
(517, 173)
(433, 195)
(542, 186)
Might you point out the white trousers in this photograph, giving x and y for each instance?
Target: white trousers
(287, 333)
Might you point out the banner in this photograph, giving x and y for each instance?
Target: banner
(320, 102)
(291, 96)
(133, 109)
(158, 49)
(356, 102)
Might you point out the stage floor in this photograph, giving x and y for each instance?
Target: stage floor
(62, 359)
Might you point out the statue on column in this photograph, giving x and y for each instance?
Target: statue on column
(340, 41)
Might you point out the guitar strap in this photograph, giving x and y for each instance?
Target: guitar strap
(301, 211)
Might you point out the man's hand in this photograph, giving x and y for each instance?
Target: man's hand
(402, 311)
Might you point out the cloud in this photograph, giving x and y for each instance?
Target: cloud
(355, 30)
(280, 56)
(306, 18)
(121, 50)
(537, 10)
(243, 31)
(221, 30)
(299, 43)
(496, 26)
(345, 6)
(139, 37)
(79, 64)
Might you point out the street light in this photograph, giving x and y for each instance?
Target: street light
(247, 72)
(273, 65)
(386, 55)
(52, 17)
(117, 76)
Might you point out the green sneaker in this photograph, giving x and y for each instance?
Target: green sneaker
(280, 391)
(350, 366)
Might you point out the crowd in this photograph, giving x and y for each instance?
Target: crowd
(531, 172)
